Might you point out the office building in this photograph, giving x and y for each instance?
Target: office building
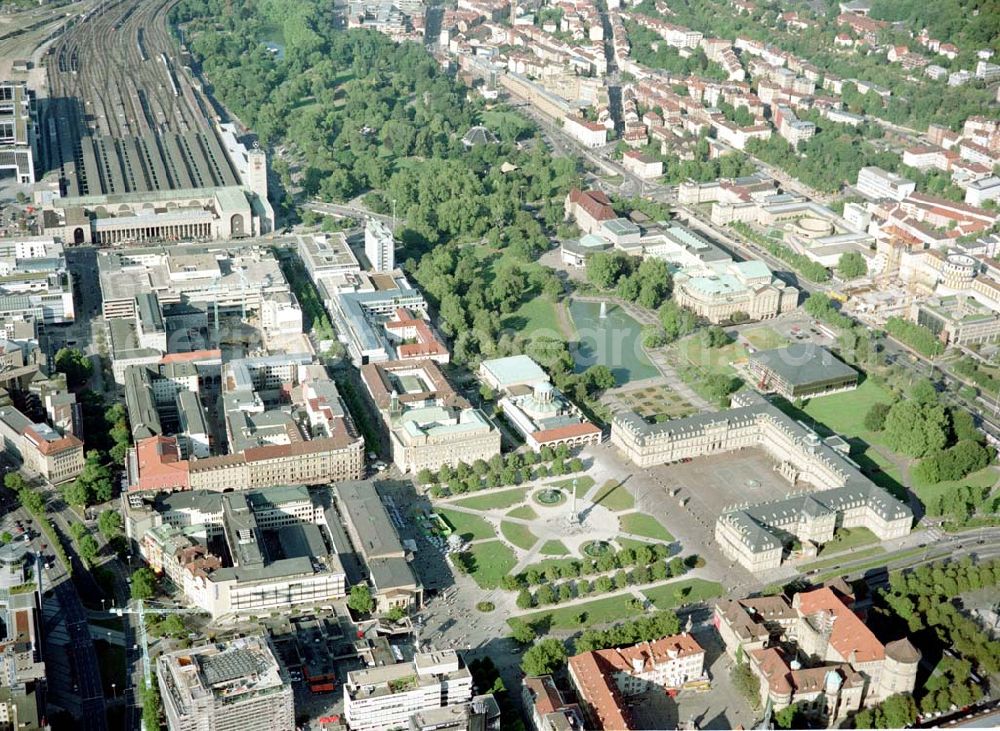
(387, 697)
(380, 246)
(327, 255)
(959, 319)
(232, 686)
(18, 143)
(876, 183)
(206, 282)
(283, 417)
(816, 652)
(34, 280)
(800, 372)
(361, 306)
(241, 554)
(39, 448)
(427, 422)
(604, 680)
(755, 535)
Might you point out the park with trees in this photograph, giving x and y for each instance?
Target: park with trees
(921, 604)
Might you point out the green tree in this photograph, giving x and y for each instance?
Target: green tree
(851, 265)
(875, 418)
(152, 707)
(14, 481)
(521, 632)
(144, 583)
(605, 268)
(914, 429)
(360, 599)
(109, 522)
(395, 613)
(718, 386)
(923, 392)
(598, 378)
(677, 321)
(88, 548)
(715, 337)
(525, 600)
(544, 657)
(75, 364)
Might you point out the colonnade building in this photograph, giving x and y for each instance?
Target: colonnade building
(755, 534)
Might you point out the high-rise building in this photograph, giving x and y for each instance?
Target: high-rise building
(236, 686)
(380, 247)
(17, 131)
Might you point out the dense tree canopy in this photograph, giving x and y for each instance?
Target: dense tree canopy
(75, 364)
(544, 657)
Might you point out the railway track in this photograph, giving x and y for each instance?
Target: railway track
(113, 74)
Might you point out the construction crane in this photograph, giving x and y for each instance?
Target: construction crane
(141, 608)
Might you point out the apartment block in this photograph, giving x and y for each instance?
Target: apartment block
(876, 183)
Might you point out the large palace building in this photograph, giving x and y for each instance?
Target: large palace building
(755, 535)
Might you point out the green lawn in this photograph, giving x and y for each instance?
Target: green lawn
(524, 512)
(844, 413)
(838, 560)
(493, 500)
(693, 590)
(711, 360)
(845, 538)
(986, 477)
(470, 527)
(644, 525)
(765, 338)
(492, 561)
(517, 534)
(554, 548)
(535, 317)
(583, 483)
(599, 611)
(614, 496)
(631, 542)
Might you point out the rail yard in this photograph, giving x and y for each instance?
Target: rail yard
(122, 115)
